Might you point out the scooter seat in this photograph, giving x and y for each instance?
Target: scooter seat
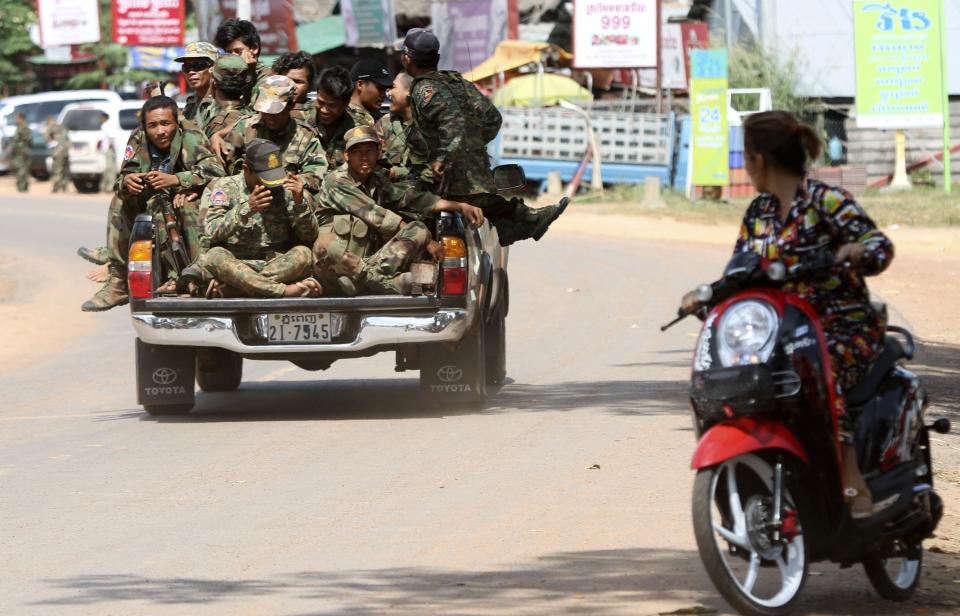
(864, 390)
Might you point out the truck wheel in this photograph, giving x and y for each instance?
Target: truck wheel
(456, 373)
(86, 186)
(496, 340)
(218, 370)
(160, 410)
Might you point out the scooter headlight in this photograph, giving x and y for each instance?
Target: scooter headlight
(747, 333)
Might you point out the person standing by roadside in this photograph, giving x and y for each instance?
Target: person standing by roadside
(20, 152)
(105, 145)
(59, 144)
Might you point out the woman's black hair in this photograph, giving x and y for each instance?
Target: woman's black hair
(781, 140)
(158, 102)
(335, 82)
(293, 60)
(234, 29)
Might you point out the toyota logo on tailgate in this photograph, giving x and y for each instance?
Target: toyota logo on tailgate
(449, 374)
(164, 376)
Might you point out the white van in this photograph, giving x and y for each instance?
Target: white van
(37, 108)
(85, 128)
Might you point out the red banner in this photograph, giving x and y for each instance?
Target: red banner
(148, 22)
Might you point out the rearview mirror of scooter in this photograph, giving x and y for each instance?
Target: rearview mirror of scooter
(509, 177)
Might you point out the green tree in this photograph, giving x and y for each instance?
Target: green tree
(15, 44)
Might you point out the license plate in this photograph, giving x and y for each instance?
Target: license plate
(299, 327)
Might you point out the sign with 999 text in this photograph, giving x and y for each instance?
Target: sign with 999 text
(615, 33)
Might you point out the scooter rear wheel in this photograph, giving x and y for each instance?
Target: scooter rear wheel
(731, 505)
(896, 577)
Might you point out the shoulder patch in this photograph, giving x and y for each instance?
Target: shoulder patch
(426, 92)
(218, 197)
(128, 153)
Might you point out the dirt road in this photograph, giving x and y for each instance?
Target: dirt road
(345, 492)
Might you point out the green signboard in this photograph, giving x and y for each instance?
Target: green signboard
(899, 63)
(709, 143)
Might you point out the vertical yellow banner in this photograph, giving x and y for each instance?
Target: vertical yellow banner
(709, 143)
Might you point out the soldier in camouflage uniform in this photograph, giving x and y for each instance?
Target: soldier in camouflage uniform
(371, 229)
(332, 117)
(197, 60)
(371, 80)
(260, 240)
(172, 165)
(301, 71)
(456, 122)
(59, 143)
(230, 81)
(404, 152)
(20, 151)
(301, 151)
(239, 37)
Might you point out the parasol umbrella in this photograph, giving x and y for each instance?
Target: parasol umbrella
(541, 89)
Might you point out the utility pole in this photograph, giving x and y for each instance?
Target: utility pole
(243, 9)
(728, 24)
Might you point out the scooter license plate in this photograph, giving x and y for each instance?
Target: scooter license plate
(311, 327)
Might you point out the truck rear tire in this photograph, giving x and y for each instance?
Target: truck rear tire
(86, 186)
(496, 339)
(218, 370)
(456, 373)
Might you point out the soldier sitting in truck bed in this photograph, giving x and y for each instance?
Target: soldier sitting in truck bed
(260, 225)
(370, 228)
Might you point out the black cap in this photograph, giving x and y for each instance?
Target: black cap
(370, 69)
(264, 158)
(421, 44)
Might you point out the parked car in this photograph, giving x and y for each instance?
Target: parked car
(85, 128)
(37, 108)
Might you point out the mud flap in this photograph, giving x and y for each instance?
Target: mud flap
(455, 372)
(165, 374)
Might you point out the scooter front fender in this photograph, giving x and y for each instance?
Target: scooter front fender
(743, 435)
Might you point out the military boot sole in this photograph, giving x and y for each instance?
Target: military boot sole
(543, 225)
(90, 255)
(92, 306)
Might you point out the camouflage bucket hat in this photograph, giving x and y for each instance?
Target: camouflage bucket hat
(275, 92)
(199, 50)
(264, 158)
(361, 134)
(232, 70)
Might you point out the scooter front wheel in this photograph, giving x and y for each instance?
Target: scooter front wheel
(895, 576)
(758, 573)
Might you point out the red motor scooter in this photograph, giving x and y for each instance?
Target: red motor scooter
(768, 498)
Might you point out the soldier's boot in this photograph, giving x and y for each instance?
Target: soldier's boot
(543, 217)
(397, 284)
(114, 293)
(97, 256)
(347, 286)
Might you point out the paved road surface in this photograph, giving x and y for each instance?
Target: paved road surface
(344, 492)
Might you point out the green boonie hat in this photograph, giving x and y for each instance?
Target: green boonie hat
(199, 49)
(361, 134)
(264, 158)
(232, 69)
(275, 92)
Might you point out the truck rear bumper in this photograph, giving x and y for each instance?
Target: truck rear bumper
(220, 331)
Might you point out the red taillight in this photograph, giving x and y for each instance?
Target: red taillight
(454, 267)
(140, 270)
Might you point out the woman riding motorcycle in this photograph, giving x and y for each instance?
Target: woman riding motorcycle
(794, 215)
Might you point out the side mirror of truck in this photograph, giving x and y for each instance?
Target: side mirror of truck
(509, 177)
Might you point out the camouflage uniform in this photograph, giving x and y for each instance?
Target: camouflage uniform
(258, 253)
(260, 73)
(60, 174)
(302, 153)
(360, 223)
(332, 137)
(360, 115)
(227, 114)
(191, 160)
(199, 111)
(456, 122)
(303, 112)
(20, 151)
(404, 152)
